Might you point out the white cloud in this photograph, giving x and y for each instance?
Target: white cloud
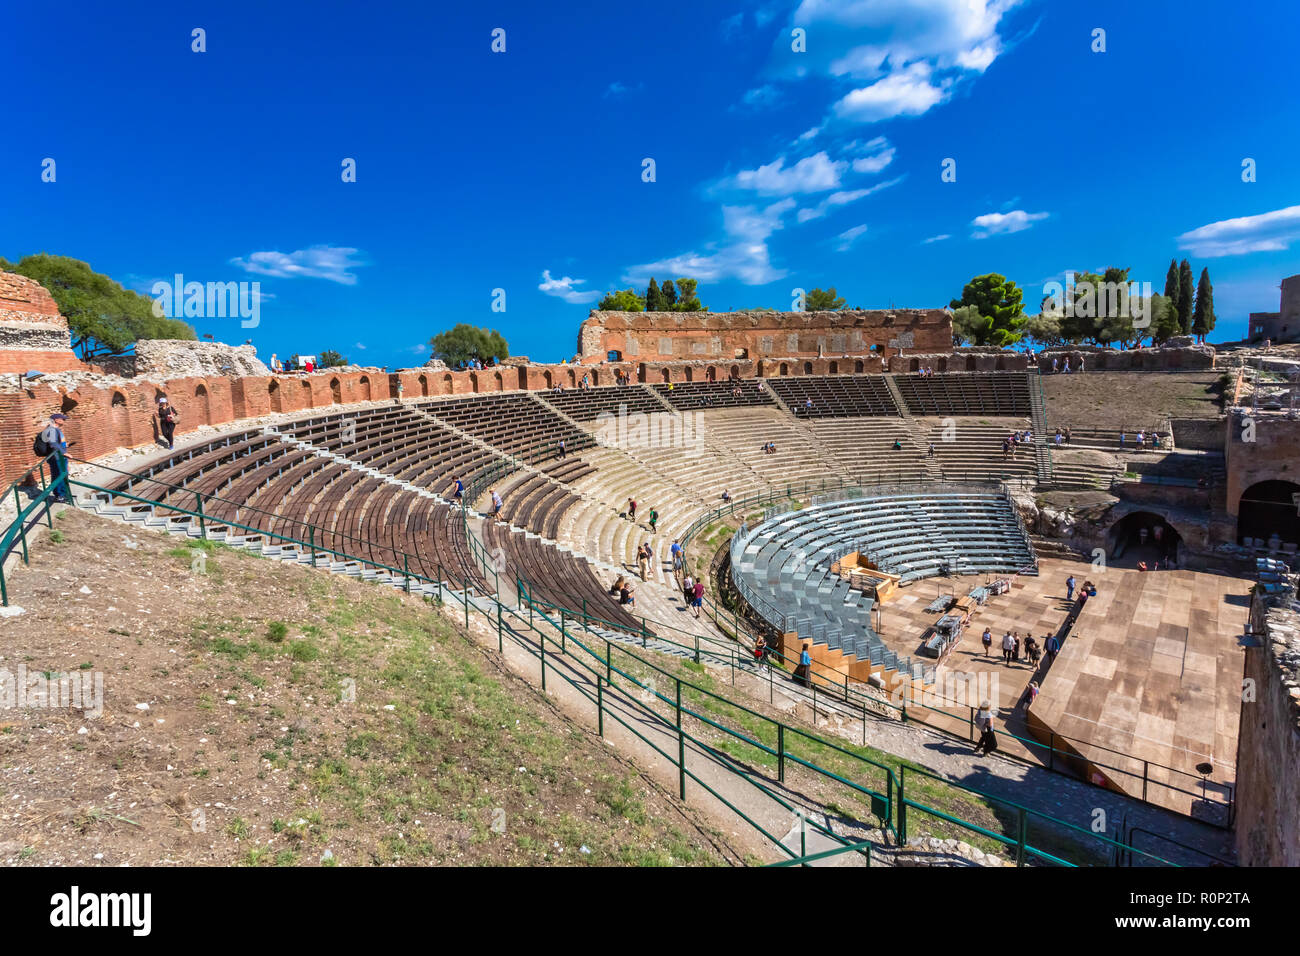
(807, 135)
(848, 237)
(1268, 232)
(564, 289)
(1003, 223)
(843, 198)
(907, 92)
(743, 256)
(873, 156)
(419, 349)
(617, 89)
(939, 238)
(360, 346)
(761, 97)
(815, 173)
(904, 56)
(332, 263)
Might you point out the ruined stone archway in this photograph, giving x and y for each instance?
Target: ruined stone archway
(1267, 508)
(1126, 545)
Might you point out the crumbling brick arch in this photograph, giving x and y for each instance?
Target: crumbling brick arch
(835, 368)
(473, 382)
(500, 382)
(859, 366)
(690, 374)
(448, 384)
(364, 384)
(807, 368)
(424, 385)
(336, 392)
(202, 405)
(274, 395)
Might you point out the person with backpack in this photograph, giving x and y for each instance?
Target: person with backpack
(654, 520)
(52, 444)
(167, 418)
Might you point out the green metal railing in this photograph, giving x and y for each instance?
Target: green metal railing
(27, 514)
(881, 799)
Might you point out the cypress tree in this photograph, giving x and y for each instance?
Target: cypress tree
(654, 299)
(1171, 283)
(669, 292)
(1185, 296)
(1203, 318)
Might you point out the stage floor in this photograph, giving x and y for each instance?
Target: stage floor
(1146, 686)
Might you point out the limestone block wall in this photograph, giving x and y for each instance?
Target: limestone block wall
(1268, 743)
(1168, 357)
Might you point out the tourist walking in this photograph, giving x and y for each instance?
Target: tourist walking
(804, 672)
(1052, 646)
(631, 508)
(988, 741)
(697, 601)
(167, 418)
(1069, 588)
(987, 640)
(496, 502)
(1008, 645)
(51, 443)
(458, 491)
(654, 520)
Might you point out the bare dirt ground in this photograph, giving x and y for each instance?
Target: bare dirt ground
(260, 714)
(1131, 400)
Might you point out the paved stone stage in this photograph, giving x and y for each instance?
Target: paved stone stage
(1152, 669)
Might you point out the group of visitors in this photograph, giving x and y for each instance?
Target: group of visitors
(624, 591)
(1056, 367)
(1062, 436)
(925, 373)
(1013, 441)
(769, 448)
(1142, 441)
(1013, 647)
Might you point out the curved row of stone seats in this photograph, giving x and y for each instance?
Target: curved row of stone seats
(697, 465)
(836, 396)
(743, 432)
(588, 404)
(557, 576)
(1003, 394)
(724, 393)
(533, 502)
(515, 423)
(597, 524)
(864, 447)
(972, 448)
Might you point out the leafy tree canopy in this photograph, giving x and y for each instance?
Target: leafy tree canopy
(999, 304)
(331, 359)
(105, 318)
(463, 342)
(820, 300)
(624, 300)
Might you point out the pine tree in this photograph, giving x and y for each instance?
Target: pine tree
(1171, 283)
(1203, 317)
(1185, 296)
(654, 299)
(669, 292)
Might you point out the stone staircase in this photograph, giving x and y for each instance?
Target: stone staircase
(1038, 415)
(933, 468)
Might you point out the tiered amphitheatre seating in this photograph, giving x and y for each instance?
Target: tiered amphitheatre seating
(514, 423)
(595, 525)
(585, 405)
(864, 447)
(742, 432)
(835, 396)
(558, 577)
(782, 566)
(971, 448)
(1004, 394)
(537, 504)
(724, 393)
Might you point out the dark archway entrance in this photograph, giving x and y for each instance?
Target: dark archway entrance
(1142, 536)
(1266, 509)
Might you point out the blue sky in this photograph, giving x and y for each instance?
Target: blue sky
(522, 170)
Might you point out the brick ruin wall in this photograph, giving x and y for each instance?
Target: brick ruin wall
(659, 337)
(1268, 741)
(33, 335)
